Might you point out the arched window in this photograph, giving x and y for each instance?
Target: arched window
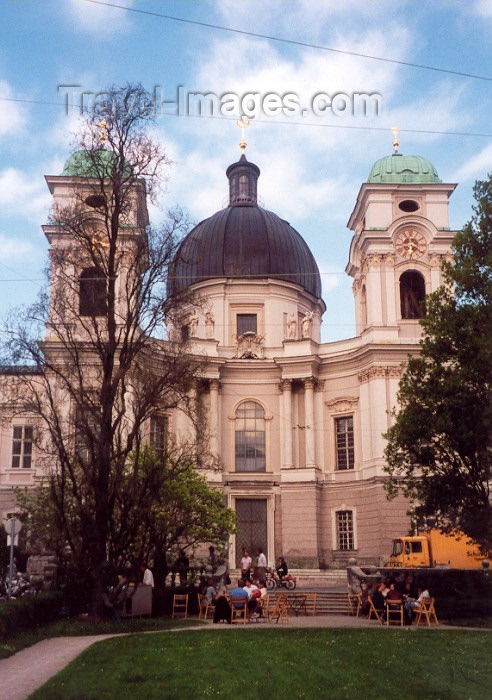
(412, 294)
(250, 438)
(92, 295)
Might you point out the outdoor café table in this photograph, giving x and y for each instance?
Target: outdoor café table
(297, 603)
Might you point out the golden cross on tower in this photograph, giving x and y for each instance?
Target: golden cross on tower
(243, 124)
(395, 131)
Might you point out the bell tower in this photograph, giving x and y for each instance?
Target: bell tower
(401, 236)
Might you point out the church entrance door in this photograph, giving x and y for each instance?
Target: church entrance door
(252, 526)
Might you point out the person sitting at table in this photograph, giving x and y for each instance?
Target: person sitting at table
(364, 599)
(263, 588)
(238, 595)
(393, 594)
(378, 598)
(210, 592)
(282, 568)
(411, 604)
(253, 593)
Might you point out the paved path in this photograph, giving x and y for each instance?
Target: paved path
(24, 672)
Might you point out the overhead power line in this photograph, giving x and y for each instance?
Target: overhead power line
(293, 42)
(286, 122)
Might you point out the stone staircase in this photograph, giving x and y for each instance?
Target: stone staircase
(327, 602)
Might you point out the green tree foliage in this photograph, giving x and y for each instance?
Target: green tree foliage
(106, 366)
(439, 448)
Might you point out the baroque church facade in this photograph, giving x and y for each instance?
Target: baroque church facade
(297, 424)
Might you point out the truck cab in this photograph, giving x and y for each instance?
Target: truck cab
(410, 552)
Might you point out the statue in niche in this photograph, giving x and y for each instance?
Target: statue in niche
(306, 324)
(193, 324)
(209, 324)
(291, 327)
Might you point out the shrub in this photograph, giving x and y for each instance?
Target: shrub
(30, 611)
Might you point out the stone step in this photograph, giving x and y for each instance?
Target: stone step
(327, 602)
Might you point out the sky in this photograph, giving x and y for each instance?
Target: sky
(312, 166)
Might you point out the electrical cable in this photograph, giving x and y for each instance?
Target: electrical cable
(293, 42)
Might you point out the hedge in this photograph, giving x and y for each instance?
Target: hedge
(30, 611)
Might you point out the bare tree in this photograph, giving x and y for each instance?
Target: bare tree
(105, 368)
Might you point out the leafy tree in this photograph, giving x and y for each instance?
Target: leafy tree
(105, 366)
(439, 448)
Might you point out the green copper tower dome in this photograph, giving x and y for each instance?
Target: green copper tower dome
(94, 164)
(400, 169)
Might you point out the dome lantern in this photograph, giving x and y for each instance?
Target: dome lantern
(243, 183)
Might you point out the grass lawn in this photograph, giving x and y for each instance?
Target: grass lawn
(76, 628)
(292, 663)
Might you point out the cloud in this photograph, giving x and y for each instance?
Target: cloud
(14, 250)
(483, 8)
(477, 166)
(24, 195)
(99, 20)
(13, 115)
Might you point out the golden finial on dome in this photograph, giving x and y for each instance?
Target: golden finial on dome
(395, 131)
(102, 133)
(243, 124)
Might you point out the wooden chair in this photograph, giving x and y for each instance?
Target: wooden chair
(373, 611)
(395, 612)
(239, 610)
(281, 610)
(311, 603)
(201, 606)
(209, 609)
(180, 605)
(354, 603)
(426, 610)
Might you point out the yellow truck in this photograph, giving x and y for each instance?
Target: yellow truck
(436, 549)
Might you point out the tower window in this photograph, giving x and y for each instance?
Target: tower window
(345, 529)
(92, 296)
(344, 433)
(22, 446)
(250, 438)
(408, 205)
(412, 294)
(246, 323)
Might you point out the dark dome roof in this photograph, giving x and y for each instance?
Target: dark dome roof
(244, 240)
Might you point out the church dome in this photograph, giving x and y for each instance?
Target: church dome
(244, 241)
(93, 164)
(400, 169)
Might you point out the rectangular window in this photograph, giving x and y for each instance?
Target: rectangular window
(87, 431)
(22, 446)
(344, 433)
(345, 529)
(246, 323)
(158, 434)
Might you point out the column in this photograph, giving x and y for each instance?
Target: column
(214, 386)
(309, 418)
(286, 435)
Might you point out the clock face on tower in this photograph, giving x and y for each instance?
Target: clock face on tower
(410, 244)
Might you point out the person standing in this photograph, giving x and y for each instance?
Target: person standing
(262, 565)
(246, 564)
(148, 576)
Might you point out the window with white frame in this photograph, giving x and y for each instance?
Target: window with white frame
(345, 529)
(344, 435)
(250, 438)
(158, 434)
(22, 441)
